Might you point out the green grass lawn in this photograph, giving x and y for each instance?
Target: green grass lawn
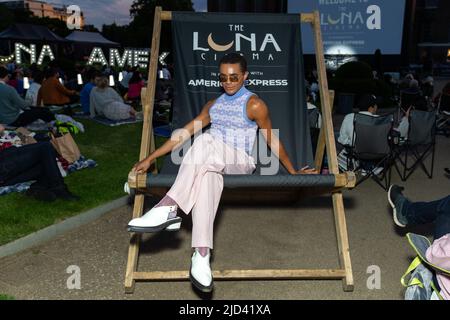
(115, 149)
(6, 297)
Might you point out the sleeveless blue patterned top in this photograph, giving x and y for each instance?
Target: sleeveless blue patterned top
(229, 121)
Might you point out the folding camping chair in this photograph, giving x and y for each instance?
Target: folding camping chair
(419, 144)
(370, 155)
(314, 127)
(411, 99)
(443, 114)
(335, 182)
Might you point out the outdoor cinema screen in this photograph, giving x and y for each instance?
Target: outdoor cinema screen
(352, 27)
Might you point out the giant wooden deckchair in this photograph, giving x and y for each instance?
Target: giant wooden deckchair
(334, 181)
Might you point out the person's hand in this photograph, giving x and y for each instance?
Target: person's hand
(142, 166)
(408, 112)
(307, 170)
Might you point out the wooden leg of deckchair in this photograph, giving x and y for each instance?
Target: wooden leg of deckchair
(147, 143)
(342, 239)
(133, 250)
(320, 150)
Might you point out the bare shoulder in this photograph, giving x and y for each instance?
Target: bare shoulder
(256, 107)
(208, 105)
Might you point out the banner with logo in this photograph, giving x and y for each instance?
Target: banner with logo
(355, 26)
(271, 45)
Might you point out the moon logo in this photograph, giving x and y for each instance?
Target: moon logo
(331, 21)
(218, 47)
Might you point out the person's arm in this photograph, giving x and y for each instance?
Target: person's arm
(346, 131)
(63, 89)
(92, 103)
(259, 112)
(17, 100)
(39, 98)
(115, 95)
(177, 139)
(403, 126)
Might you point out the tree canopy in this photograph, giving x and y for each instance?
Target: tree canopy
(143, 11)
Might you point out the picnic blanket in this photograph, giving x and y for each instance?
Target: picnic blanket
(163, 131)
(41, 125)
(114, 123)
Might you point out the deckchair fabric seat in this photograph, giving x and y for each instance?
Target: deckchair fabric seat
(242, 180)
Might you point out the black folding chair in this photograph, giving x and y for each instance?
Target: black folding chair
(419, 144)
(412, 99)
(371, 154)
(443, 115)
(314, 128)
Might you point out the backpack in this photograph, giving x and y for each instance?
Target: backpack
(420, 277)
(66, 127)
(421, 283)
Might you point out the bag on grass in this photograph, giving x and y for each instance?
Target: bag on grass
(25, 136)
(66, 147)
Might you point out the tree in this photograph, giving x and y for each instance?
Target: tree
(6, 18)
(117, 33)
(90, 28)
(143, 11)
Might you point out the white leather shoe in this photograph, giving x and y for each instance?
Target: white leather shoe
(156, 220)
(200, 274)
(126, 188)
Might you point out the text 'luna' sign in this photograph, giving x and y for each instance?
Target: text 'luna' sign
(354, 26)
(46, 51)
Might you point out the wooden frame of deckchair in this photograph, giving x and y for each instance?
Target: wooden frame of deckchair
(326, 142)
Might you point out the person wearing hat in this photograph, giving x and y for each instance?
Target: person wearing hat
(368, 105)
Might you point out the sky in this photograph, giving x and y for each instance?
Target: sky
(99, 12)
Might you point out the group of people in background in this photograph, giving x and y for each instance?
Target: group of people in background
(52, 87)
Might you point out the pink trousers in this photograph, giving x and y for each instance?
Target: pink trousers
(199, 183)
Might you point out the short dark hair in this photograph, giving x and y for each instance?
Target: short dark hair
(3, 72)
(38, 76)
(136, 77)
(50, 72)
(232, 58)
(92, 73)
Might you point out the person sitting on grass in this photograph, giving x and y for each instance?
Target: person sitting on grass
(35, 86)
(15, 111)
(33, 162)
(106, 102)
(135, 86)
(53, 93)
(85, 93)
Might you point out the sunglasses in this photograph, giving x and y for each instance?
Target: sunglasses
(231, 77)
